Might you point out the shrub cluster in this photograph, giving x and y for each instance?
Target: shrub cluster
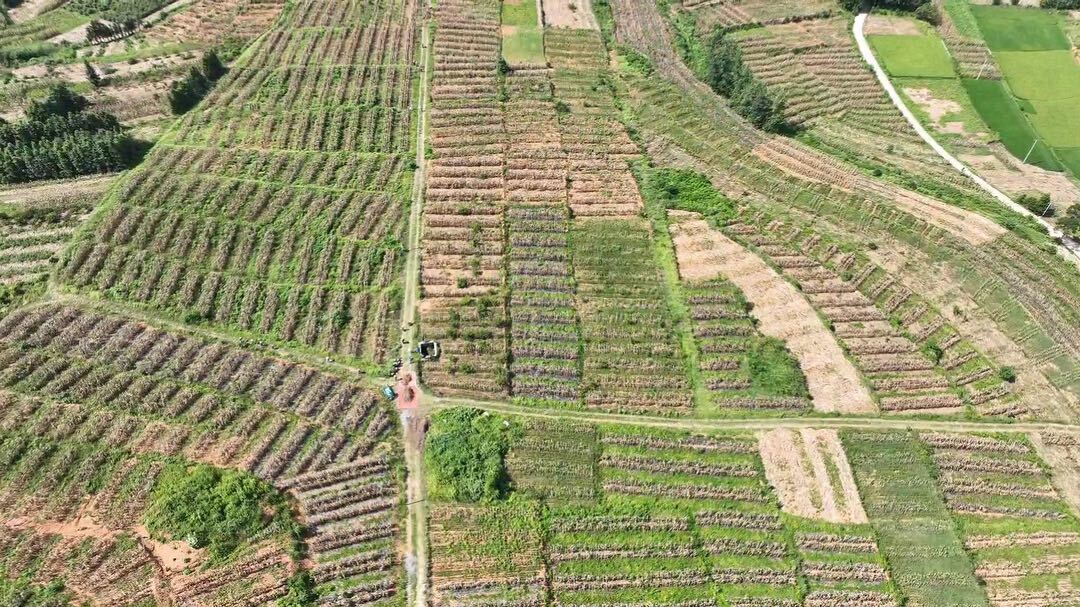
(465, 452)
(688, 190)
(215, 508)
(728, 75)
(1065, 5)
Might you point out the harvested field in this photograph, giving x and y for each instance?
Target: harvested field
(810, 474)
(211, 21)
(1021, 532)
(734, 14)
(80, 192)
(464, 246)
(881, 323)
(1062, 453)
(782, 312)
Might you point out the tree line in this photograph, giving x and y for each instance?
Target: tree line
(99, 31)
(729, 76)
(60, 138)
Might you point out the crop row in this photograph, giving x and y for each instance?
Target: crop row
(464, 248)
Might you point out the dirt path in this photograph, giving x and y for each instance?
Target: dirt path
(754, 425)
(413, 419)
(704, 253)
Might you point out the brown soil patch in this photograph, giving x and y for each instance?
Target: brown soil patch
(83, 525)
(573, 14)
(30, 9)
(48, 193)
(1064, 462)
(1014, 177)
(886, 25)
(173, 556)
(704, 253)
(75, 72)
(811, 475)
(937, 109)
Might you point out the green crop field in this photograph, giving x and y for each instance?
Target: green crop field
(915, 56)
(1016, 29)
(1043, 79)
(1041, 75)
(1000, 112)
(916, 533)
(1070, 157)
(523, 39)
(1049, 83)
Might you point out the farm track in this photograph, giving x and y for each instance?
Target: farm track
(416, 520)
(746, 423)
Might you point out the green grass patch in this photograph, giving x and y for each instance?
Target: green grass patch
(464, 455)
(22, 592)
(913, 56)
(960, 13)
(522, 36)
(1041, 75)
(215, 508)
(1070, 157)
(774, 371)
(522, 47)
(1048, 85)
(687, 190)
(41, 27)
(1000, 111)
(916, 534)
(1007, 28)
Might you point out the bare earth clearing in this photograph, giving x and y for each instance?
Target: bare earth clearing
(937, 109)
(1015, 177)
(574, 14)
(704, 253)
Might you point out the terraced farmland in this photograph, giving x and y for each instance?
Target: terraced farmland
(682, 361)
(680, 519)
(284, 219)
(96, 407)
